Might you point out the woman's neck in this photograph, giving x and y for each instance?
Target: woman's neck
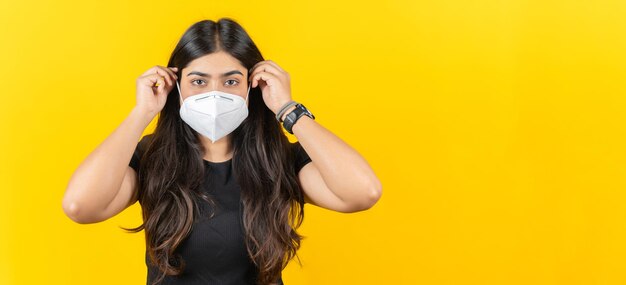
(219, 151)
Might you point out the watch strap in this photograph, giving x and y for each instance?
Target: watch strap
(284, 109)
(294, 115)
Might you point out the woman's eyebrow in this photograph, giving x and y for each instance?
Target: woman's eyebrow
(199, 73)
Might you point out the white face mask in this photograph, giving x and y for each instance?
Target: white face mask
(213, 114)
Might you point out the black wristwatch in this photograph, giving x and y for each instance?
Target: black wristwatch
(294, 115)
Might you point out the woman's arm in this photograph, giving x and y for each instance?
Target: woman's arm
(339, 178)
(104, 175)
(104, 184)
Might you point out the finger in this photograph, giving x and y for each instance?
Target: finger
(161, 87)
(276, 66)
(159, 82)
(169, 71)
(167, 75)
(269, 69)
(149, 80)
(265, 76)
(256, 65)
(175, 69)
(154, 69)
(268, 62)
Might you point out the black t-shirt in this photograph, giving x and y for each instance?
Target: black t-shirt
(214, 251)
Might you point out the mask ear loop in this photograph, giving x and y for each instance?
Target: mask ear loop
(179, 93)
(249, 84)
(248, 93)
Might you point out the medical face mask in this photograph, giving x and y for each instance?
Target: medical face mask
(213, 114)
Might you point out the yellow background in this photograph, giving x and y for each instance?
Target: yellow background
(496, 128)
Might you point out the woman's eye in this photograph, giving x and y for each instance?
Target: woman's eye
(196, 80)
(231, 80)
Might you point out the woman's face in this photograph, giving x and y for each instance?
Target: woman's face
(216, 71)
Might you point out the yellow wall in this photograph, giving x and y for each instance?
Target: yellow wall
(496, 127)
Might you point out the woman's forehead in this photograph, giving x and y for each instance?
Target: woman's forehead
(215, 64)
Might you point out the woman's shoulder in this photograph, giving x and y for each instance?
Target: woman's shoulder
(140, 149)
(300, 156)
(145, 140)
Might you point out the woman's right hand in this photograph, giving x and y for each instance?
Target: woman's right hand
(150, 98)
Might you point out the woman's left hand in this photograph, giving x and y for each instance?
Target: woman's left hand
(274, 82)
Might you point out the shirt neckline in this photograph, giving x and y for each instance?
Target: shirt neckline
(217, 163)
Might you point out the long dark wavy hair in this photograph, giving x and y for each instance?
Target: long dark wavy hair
(172, 168)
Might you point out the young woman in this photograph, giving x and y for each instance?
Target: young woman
(221, 188)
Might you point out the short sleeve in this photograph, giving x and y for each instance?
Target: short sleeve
(136, 158)
(300, 156)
